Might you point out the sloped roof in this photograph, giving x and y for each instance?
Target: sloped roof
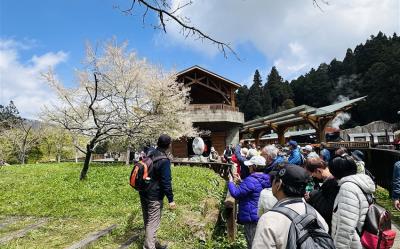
(337, 107)
(299, 115)
(236, 85)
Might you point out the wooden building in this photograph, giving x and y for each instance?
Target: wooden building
(212, 108)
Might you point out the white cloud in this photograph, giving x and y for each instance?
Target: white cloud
(21, 82)
(295, 35)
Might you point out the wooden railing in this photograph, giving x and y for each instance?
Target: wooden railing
(195, 107)
(349, 145)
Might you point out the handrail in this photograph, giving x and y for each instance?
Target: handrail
(195, 107)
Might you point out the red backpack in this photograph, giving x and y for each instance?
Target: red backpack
(142, 173)
(377, 231)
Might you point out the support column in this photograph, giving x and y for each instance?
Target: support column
(256, 136)
(281, 135)
(320, 130)
(233, 136)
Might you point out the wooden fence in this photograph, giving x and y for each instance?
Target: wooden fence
(380, 162)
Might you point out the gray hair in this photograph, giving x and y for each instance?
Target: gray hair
(271, 151)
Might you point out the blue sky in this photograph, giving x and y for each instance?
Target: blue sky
(292, 35)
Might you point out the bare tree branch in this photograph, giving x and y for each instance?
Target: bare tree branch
(164, 11)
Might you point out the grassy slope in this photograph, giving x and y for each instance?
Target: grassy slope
(77, 208)
(383, 199)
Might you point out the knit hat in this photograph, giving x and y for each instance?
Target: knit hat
(164, 141)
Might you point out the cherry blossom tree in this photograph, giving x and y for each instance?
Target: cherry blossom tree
(119, 96)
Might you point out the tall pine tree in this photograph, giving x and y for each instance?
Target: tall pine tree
(253, 107)
(279, 90)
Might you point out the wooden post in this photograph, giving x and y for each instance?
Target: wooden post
(281, 135)
(230, 206)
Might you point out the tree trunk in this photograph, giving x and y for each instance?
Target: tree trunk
(85, 168)
(58, 158)
(128, 155)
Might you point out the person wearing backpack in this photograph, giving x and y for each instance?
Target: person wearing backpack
(151, 199)
(283, 226)
(351, 204)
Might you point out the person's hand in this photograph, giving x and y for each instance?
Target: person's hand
(230, 178)
(172, 205)
(396, 204)
(241, 142)
(236, 178)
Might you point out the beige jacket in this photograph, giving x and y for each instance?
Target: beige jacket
(273, 228)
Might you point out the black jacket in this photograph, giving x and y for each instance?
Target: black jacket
(161, 184)
(323, 199)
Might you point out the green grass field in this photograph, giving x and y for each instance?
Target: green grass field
(76, 208)
(383, 199)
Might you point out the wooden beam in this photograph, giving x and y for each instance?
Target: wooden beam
(21, 233)
(92, 237)
(196, 81)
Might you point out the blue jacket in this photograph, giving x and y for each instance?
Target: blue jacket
(248, 193)
(326, 155)
(396, 181)
(295, 157)
(273, 164)
(244, 170)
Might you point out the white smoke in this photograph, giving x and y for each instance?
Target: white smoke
(340, 119)
(340, 98)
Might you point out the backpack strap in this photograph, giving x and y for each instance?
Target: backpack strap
(288, 212)
(158, 158)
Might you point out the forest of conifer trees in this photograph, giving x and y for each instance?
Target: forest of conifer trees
(372, 69)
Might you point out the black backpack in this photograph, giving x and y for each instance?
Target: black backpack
(306, 231)
(142, 172)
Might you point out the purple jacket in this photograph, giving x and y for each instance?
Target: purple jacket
(248, 193)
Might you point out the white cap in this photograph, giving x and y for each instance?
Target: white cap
(252, 152)
(255, 160)
(308, 148)
(244, 151)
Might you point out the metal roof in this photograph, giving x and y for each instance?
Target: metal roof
(299, 115)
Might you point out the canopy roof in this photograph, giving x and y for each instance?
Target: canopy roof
(298, 115)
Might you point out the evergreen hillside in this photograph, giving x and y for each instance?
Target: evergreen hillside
(371, 69)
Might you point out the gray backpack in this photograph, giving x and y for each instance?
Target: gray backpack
(306, 231)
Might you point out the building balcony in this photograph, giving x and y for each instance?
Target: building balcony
(200, 113)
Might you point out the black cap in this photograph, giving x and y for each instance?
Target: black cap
(292, 175)
(163, 141)
(358, 155)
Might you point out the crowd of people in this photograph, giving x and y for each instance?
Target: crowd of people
(273, 183)
(277, 187)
